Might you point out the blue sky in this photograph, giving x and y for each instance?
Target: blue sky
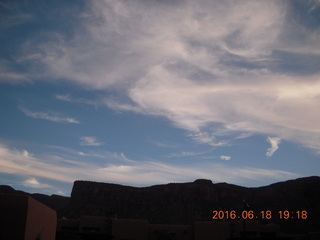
(151, 92)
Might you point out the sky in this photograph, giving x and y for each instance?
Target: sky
(147, 92)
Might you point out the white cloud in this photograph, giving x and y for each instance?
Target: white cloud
(139, 39)
(34, 183)
(61, 193)
(205, 137)
(208, 66)
(81, 154)
(271, 105)
(127, 172)
(274, 145)
(48, 116)
(90, 141)
(223, 157)
(25, 153)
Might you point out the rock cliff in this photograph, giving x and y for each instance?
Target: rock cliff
(184, 203)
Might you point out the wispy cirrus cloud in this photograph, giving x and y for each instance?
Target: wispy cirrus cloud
(9, 75)
(185, 154)
(68, 98)
(14, 161)
(48, 116)
(210, 67)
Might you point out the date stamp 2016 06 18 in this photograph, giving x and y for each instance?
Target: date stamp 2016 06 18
(265, 214)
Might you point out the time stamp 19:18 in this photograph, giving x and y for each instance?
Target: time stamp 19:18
(266, 214)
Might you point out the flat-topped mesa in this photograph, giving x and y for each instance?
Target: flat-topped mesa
(89, 190)
(184, 203)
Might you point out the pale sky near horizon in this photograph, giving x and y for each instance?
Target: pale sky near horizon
(148, 92)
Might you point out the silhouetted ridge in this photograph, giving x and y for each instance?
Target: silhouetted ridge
(184, 203)
(55, 202)
(7, 189)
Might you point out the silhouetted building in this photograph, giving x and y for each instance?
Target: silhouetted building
(130, 229)
(68, 225)
(211, 230)
(247, 229)
(92, 224)
(98, 227)
(169, 231)
(269, 231)
(23, 218)
(314, 235)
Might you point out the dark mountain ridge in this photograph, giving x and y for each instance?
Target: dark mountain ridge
(184, 203)
(55, 202)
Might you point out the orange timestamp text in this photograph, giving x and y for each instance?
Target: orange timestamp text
(265, 214)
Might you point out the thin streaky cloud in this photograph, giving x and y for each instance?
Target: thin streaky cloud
(244, 135)
(16, 20)
(126, 159)
(48, 116)
(68, 98)
(17, 162)
(185, 154)
(7, 75)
